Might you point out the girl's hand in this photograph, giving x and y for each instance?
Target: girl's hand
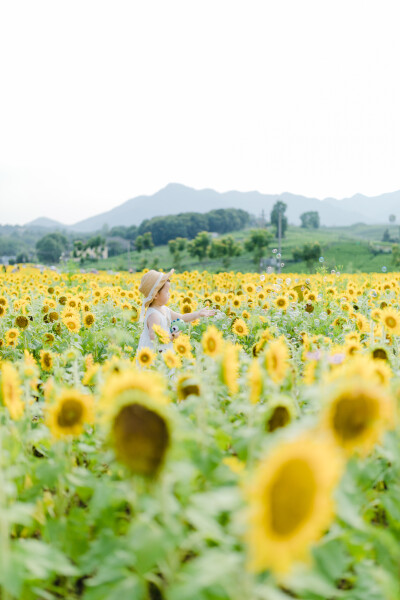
(175, 334)
(207, 312)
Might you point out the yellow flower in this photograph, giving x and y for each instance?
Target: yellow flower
(140, 432)
(145, 357)
(22, 322)
(230, 368)
(254, 378)
(162, 335)
(11, 391)
(46, 360)
(88, 319)
(276, 360)
(148, 382)
(12, 337)
(357, 414)
(72, 323)
(281, 302)
(240, 328)
(70, 412)
(281, 412)
(290, 502)
(187, 385)
(212, 341)
(182, 346)
(171, 359)
(391, 320)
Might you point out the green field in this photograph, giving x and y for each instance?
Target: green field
(349, 249)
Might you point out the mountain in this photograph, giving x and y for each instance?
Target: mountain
(46, 223)
(176, 198)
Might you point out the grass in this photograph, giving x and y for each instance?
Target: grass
(349, 249)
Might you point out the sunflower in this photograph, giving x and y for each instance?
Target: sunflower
(145, 357)
(22, 322)
(72, 323)
(46, 360)
(280, 413)
(281, 302)
(140, 433)
(150, 383)
(240, 328)
(290, 502)
(357, 414)
(379, 353)
(276, 360)
(212, 341)
(162, 335)
(391, 320)
(255, 381)
(188, 385)
(88, 319)
(48, 339)
(11, 391)
(230, 368)
(182, 346)
(2, 310)
(12, 337)
(70, 412)
(171, 359)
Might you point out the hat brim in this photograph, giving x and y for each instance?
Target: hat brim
(165, 277)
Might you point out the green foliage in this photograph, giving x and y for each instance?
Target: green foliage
(200, 245)
(310, 252)
(396, 254)
(177, 247)
(225, 248)
(279, 208)
(310, 220)
(257, 243)
(50, 247)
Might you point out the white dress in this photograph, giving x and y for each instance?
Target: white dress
(165, 322)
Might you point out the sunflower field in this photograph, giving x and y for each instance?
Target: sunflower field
(257, 459)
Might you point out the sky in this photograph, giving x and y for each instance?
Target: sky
(102, 101)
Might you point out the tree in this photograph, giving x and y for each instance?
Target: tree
(177, 248)
(200, 245)
(225, 248)
(310, 220)
(279, 207)
(139, 244)
(396, 254)
(148, 243)
(310, 252)
(50, 247)
(392, 218)
(386, 236)
(257, 243)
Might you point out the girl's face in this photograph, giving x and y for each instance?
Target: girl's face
(162, 296)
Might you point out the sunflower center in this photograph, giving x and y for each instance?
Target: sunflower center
(352, 416)
(291, 496)
(279, 418)
(211, 345)
(70, 414)
(141, 438)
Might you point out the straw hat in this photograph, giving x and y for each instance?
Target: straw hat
(151, 283)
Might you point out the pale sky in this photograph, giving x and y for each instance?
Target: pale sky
(101, 101)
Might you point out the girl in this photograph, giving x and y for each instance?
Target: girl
(155, 288)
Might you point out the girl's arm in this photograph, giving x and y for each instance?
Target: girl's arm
(187, 317)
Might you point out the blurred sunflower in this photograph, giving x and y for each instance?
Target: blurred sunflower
(171, 359)
(230, 368)
(281, 302)
(255, 381)
(139, 432)
(281, 412)
(240, 328)
(22, 322)
(88, 319)
(276, 360)
(12, 337)
(162, 335)
(46, 360)
(187, 385)
(69, 413)
(212, 341)
(11, 391)
(290, 502)
(390, 319)
(357, 414)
